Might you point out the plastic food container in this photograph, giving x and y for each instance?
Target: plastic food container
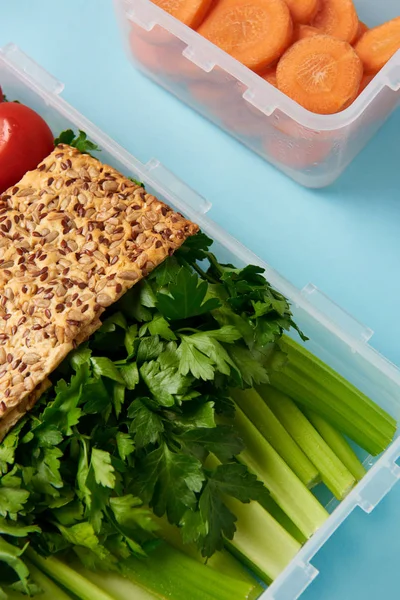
(312, 149)
(334, 336)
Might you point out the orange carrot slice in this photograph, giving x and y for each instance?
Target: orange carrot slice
(366, 80)
(190, 12)
(337, 18)
(321, 73)
(362, 28)
(303, 11)
(304, 31)
(255, 32)
(378, 45)
(270, 76)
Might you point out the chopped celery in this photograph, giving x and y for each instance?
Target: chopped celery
(275, 433)
(168, 573)
(275, 511)
(333, 472)
(312, 383)
(260, 542)
(284, 486)
(339, 445)
(119, 587)
(67, 577)
(221, 561)
(49, 589)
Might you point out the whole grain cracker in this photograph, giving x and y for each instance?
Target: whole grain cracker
(75, 235)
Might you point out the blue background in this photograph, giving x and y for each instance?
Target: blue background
(344, 239)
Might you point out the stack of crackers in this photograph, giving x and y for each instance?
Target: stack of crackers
(75, 235)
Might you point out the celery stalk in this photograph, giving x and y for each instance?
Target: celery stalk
(168, 573)
(339, 445)
(284, 486)
(333, 472)
(275, 511)
(221, 561)
(69, 578)
(119, 588)
(313, 384)
(50, 590)
(260, 542)
(275, 433)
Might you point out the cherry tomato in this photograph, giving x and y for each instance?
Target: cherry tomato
(25, 140)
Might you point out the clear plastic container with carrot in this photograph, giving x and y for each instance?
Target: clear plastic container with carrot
(317, 52)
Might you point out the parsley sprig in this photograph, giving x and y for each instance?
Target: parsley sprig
(136, 413)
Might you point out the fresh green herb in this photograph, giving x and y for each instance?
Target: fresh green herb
(80, 141)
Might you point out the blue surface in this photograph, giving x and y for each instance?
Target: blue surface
(345, 240)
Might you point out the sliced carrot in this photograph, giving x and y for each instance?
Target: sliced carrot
(303, 11)
(378, 45)
(270, 76)
(366, 80)
(362, 28)
(337, 18)
(190, 12)
(321, 73)
(255, 32)
(163, 60)
(304, 31)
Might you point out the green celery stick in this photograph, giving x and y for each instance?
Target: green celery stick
(294, 498)
(221, 561)
(168, 573)
(313, 384)
(260, 542)
(339, 445)
(275, 511)
(50, 590)
(275, 433)
(333, 472)
(70, 579)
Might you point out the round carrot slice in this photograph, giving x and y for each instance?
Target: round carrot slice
(378, 45)
(190, 12)
(304, 31)
(337, 18)
(270, 76)
(255, 32)
(303, 11)
(362, 28)
(321, 73)
(366, 80)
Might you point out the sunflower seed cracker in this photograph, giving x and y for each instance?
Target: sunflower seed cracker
(75, 235)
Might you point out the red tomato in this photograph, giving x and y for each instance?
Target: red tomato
(25, 140)
(1, 95)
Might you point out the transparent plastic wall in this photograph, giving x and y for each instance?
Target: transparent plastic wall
(311, 149)
(335, 337)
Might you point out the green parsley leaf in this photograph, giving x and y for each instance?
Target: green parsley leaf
(146, 425)
(130, 374)
(104, 367)
(222, 441)
(80, 142)
(12, 500)
(169, 481)
(102, 467)
(186, 297)
(125, 445)
(252, 372)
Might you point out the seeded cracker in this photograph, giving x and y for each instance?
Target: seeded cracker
(75, 235)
